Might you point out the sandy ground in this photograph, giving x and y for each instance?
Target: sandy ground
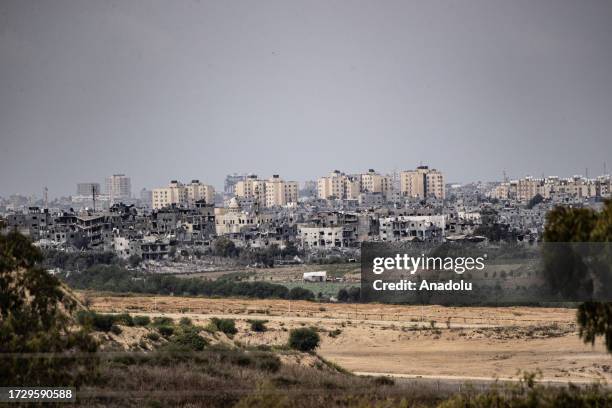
(406, 341)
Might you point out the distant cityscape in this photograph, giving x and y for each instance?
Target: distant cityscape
(336, 212)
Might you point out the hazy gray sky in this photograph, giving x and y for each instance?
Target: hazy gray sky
(164, 90)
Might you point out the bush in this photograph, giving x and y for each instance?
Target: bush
(124, 319)
(304, 339)
(162, 321)
(185, 321)
(227, 326)
(141, 320)
(191, 340)
(258, 325)
(95, 321)
(153, 336)
(102, 322)
(299, 293)
(384, 381)
(166, 331)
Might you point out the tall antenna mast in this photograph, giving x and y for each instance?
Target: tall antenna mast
(93, 196)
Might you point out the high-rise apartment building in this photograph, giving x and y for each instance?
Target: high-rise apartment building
(87, 189)
(118, 188)
(180, 194)
(338, 185)
(348, 187)
(372, 182)
(422, 183)
(269, 193)
(197, 191)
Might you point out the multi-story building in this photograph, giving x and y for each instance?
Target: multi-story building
(229, 187)
(87, 189)
(197, 191)
(316, 236)
(576, 187)
(182, 195)
(252, 188)
(269, 193)
(233, 220)
(118, 188)
(338, 186)
(405, 228)
(372, 182)
(422, 183)
(280, 192)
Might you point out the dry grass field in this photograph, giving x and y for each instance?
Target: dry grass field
(474, 343)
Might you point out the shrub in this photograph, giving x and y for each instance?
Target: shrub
(185, 321)
(258, 325)
(141, 320)
(191, 340)
(342, 295)
(166, 331)
(124, 319)
(100, 322)
(267, 362)
(227, 326)
(304, 339)
(153, 336)
(162, 321)
(298, 293)
(384, 380)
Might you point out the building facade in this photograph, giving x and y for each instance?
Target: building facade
(422, 183)
(268, 193)
(118, 188)
(179, 194)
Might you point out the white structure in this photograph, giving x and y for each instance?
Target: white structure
(320, 276)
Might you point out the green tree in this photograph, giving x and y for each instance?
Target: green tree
(35, 318)
(225, 247)
(576, 225)
(299, 293)
(343, 295)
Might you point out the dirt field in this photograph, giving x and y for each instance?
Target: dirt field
(406, 341)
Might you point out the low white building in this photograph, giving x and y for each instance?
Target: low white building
(320, 276)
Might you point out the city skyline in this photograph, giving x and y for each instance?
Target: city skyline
(102, 184)
(202, 89)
